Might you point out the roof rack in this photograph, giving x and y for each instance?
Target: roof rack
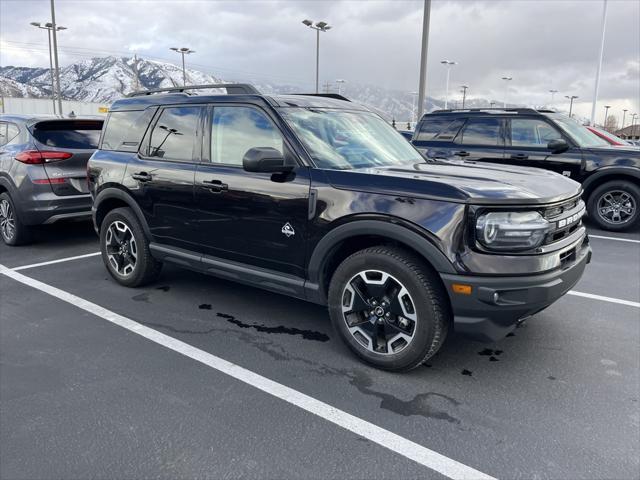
(232, 89)
(490, 110)
(337, 96)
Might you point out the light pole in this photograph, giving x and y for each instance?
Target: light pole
(340, 82)
(426, 17)
(183, 51)
(464, 93)
(599, 69)
(48, 27)
(552, 92)
(624, 114)
(448, 64)
(571, 99)
(606, 111)
(54, 31)
(633, 122)
(318, 27)
(506, 85)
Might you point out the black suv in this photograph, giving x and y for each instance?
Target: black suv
(610, 176)
(318, 198)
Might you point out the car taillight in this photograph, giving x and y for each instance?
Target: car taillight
(49, 181)
(33, 157)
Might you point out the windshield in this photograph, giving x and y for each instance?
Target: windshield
(578, 133)
(339, 139)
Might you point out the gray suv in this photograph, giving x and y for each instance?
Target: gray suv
(43, 177)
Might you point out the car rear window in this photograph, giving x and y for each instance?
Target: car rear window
(80, 134)
(442, 129)
(124, 130)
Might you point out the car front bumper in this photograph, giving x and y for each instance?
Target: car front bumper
(497, 304)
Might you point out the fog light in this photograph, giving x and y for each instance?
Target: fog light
(496, 297)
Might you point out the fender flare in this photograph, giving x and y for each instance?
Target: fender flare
(11, 189)
(393, 231)
(604, 172)
(110, 193)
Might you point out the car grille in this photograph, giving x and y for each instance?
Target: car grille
(565, 219)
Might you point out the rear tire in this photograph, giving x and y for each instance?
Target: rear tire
(615, 205)
(389, 308)
(12, 230)
(125, 249)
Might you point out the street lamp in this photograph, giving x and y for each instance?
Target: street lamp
(492, 104)
(318, 27)
(624, 114)
(183, 51)
(448, 64)
(606, 111)
(464, 93)
(49, 27)
(552, 92)
(506, 84)
(340, 82)
(571, 99)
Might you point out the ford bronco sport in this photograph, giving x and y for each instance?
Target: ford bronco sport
(316, 197)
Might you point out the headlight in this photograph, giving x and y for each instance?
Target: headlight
(511, 230)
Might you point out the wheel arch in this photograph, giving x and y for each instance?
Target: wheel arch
(608, 174)
(112, 197)
(356, 235)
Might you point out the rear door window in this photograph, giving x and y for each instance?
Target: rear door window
(75, 134)
(174, 134)
(482, 131)
(124, 130)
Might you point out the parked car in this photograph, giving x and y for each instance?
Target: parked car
(610, 138)
(407, 134)
(320, 199)
(43, 171)
(610, 177)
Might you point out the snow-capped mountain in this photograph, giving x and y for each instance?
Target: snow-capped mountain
(105, 79)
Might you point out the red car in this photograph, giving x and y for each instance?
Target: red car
(610, 137)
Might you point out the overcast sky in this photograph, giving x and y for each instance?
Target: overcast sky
(543, 44)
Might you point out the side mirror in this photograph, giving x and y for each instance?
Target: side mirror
(558, 145)
(265, 160)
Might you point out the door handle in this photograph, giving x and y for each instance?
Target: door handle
(461, 153)
(141, 176)
(519, 156)
(215, 186)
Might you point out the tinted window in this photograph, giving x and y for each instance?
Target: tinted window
(528, 132)
(481, 131)
(430, 127)
(80, 134)
(174, 135)
(235, 130)
(124, 130)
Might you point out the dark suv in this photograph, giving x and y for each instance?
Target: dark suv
(610, 176)
(43, 172)
(318, 198)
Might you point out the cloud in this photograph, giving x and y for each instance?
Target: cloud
(543, 44)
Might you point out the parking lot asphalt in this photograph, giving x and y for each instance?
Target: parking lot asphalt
(82, 397)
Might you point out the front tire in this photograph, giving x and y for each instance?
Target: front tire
(125, 249)
(12, 230)
(615, 205)
(389, 308)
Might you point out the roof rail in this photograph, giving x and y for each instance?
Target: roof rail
(337, 96)
(232, 89)
(488, 109)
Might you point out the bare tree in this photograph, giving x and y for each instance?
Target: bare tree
(611, 123)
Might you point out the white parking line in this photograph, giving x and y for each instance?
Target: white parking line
(630, 240)
(605, 299)
(400, 445)
(67, 259)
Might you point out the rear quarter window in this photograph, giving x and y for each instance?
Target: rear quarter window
(76, 134)
(124, 130)
(439, 129)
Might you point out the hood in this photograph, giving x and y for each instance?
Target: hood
(462, 181)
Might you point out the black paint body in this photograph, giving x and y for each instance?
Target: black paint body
(238, 233)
